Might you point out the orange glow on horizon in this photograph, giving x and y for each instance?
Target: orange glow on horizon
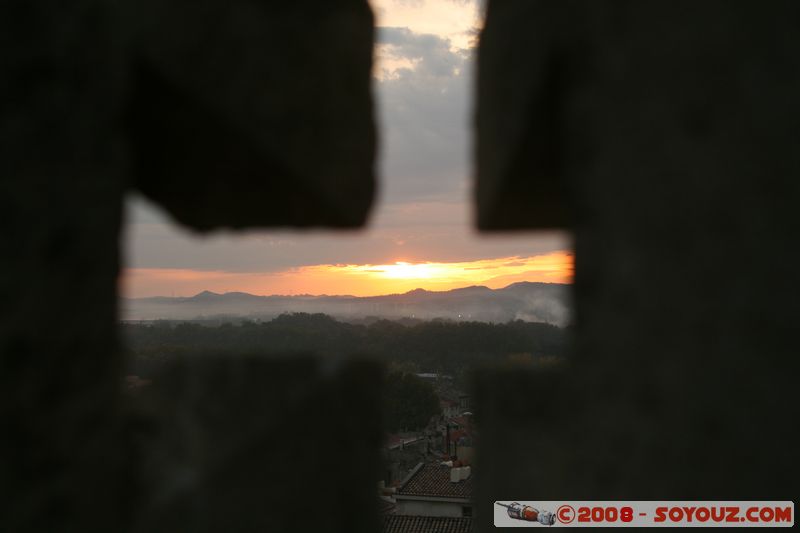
(356, 280)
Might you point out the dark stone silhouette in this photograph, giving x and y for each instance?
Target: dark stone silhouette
(253, 114)
(253, 444)
(665, 135)
(229, 114)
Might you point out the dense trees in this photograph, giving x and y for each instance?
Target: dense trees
(408, 347)
(410, 402)
(434, 346)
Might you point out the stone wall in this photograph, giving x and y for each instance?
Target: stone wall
(663, 134)
(228, 114)
(666, 134)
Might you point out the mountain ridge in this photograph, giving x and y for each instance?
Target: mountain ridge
(530, 301)
(420, 290)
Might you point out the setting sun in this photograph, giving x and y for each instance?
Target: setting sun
(357, 280)
(403, 270)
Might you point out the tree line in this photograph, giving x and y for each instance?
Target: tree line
(432, 346)
(407, 347)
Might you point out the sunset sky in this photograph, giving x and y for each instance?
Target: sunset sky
(421, 231)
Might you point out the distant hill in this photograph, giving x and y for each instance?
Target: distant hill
(532, 302)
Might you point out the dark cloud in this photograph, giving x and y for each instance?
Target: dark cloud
(413, 232)
(424, 115)
(425, 163)
(435, 55)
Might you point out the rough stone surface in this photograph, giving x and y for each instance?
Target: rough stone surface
(61, 465)
(251, 113)
(257, 444)
(672, 142)
(664, 133)
(523, 84)
(229, 114)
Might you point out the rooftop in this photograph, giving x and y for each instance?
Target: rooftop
(433, 480)
(426, 524)
(457, 434)
(385, 507)
(461, 420)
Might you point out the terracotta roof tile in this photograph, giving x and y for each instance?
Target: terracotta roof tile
(426, 524)
(434, 480)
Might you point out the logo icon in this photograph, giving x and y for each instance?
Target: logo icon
(527, 513)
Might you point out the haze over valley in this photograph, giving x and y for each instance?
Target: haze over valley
(531, 302)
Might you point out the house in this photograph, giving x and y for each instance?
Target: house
(386, 506)
(435, 490)
(450, 408)
(457, 437)
(463, 400)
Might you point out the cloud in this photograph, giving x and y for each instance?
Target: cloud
(412, 231)
(424, 95)
(349, 278)
(424, 208)
(450, 19)
(432, 56)
(409, 3)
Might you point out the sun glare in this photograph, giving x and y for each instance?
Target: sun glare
(402, 275)
(403, 270)
(359, 280)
